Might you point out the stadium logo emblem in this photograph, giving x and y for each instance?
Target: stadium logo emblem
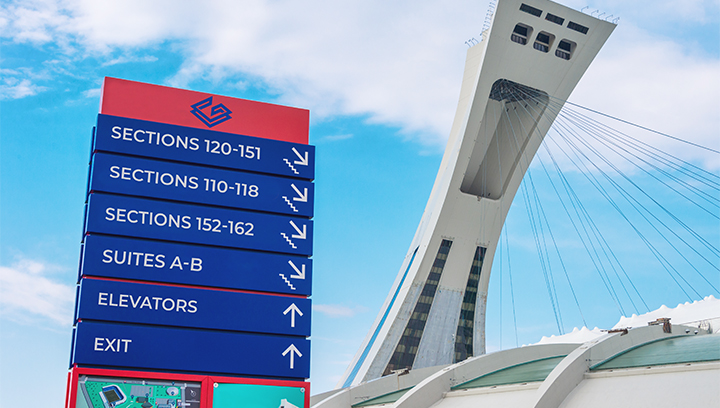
(218, 113)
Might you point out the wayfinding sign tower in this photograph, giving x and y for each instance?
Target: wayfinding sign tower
(195, 271)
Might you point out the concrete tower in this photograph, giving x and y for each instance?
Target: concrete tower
(535, 53)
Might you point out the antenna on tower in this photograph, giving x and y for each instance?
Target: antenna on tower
(488, 19)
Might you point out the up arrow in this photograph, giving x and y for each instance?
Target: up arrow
(302, 197)
(292, 350)
(300, 272)
(304, 161)
(301, 234)
(292, 309)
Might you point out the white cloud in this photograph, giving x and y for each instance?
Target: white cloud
(21, 82)
(27, 293)
(659, 85)
(661, 12)
(336, 138)
(400, 63)
(700, 313)
(124, 59)
(338, 310)
(397, 63)
(93, 93)
(16, 88)
(33, 21)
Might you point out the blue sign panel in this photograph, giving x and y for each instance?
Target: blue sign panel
(136, 217)
(160, 179)
(115, 257)
(204, 351)
(191, 307)
(158, 140)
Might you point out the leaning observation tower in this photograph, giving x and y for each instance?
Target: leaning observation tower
(535, 51)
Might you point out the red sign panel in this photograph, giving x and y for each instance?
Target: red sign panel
(200, 110)
(102, 388)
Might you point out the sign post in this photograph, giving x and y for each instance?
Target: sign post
(195, 271)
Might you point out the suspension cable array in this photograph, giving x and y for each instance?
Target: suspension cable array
(668, 204)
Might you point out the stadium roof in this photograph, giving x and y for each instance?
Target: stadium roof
(658, 365)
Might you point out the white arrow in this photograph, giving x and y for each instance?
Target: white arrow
(292, 350)
(304, 161)
(292, 309)
(300, 234)
(302, 196)
(300, 273)
(284, 404)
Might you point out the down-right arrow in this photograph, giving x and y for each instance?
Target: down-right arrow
(300, 272)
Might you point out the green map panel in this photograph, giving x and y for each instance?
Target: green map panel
(533, 371)
(135, 393)
(676, 350)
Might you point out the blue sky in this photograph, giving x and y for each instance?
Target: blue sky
(381, 81)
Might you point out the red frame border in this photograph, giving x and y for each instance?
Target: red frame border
(182, 285)
(156, 103)
(206, 381)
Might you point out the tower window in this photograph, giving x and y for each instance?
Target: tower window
(543, 41)
(466, 322)
(530, 10)
(406, 349)
(520, 34)
(555, 19)
(577, 27)
(564, 49)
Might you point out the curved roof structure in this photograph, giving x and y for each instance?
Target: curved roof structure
(657, 365)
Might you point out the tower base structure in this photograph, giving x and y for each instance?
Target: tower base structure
(535, 53)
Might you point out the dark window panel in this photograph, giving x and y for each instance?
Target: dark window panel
(405, 351)
(555, 19)
(530, 10)
(577, 27)
(464, 334)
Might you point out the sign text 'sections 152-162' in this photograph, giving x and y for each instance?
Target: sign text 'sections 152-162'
(136, 217)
